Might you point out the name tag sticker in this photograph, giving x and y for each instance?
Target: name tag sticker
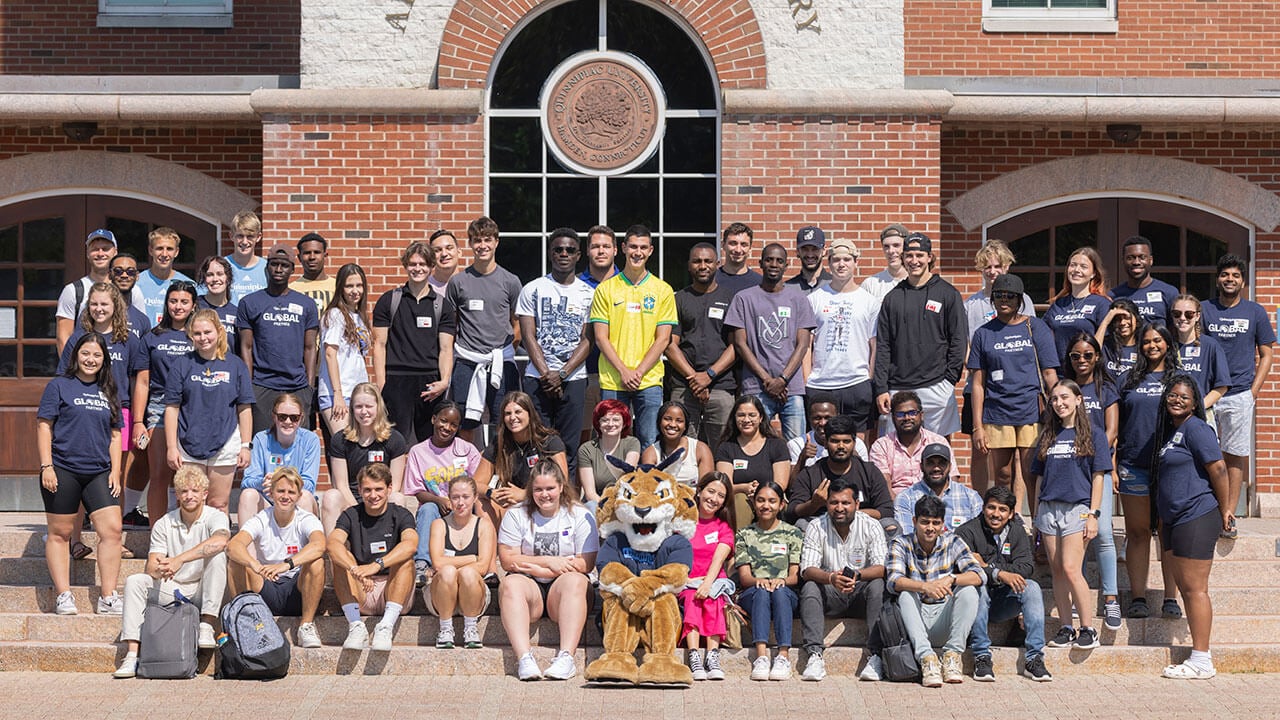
(424, 322)
(460, 463)
(532, 460)
(295, 308)
(715, 313)
(739, 464)
(276, 460)
(784, 311)
(957, 521)
(476, 305)
(711, 537)
(777, 548)
(1192, 351)
(450, 553)
(376, 456)
(291, 549)
(1087, 308)
(1006, 549)
(988, 314)
(633, 307)
(378, 546)
(997, 375)
(1154, 297)
(933, 306)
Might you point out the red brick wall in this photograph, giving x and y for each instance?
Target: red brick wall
(61, 37)
(232, 155)
(972, 157)
(1157, 38)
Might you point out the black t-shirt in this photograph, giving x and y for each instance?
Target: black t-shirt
(703, 337)
(413, 335)
(524, 457)
(357, 455)
(370, 537)
(868, 482)
(753, 468)
(737, 283)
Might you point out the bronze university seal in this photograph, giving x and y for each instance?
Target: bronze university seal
(603, 113)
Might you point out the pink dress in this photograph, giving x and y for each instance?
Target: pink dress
(706, 617)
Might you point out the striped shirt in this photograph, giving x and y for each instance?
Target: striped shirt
(823, 549)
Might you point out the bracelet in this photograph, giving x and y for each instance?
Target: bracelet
(45, 467)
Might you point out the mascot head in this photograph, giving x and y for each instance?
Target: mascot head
(648, 505)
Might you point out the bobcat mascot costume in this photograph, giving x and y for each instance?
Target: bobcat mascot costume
(645, 520)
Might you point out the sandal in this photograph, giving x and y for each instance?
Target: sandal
(126, 553)
(80, 551)
(1187, 671)
(1138, 608)
(1170, 609)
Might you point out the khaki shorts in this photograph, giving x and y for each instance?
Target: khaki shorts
(375, 601)
(1011, 436)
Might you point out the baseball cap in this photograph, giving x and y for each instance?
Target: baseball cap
(101, 234)
(843, 247)
(894, 229)
(810, 235)
(917, 241)
(936, 450)
(1007, 283)
(283, 252)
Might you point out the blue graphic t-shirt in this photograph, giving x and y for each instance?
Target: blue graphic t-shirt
(1068, 477)
(162, 350)
(127, 358)
(1240, 329)
(1205, 361)
(279, 324)
(82, 423)
(1139, 410)
(1007, 354)
(207, 392)
(246, 280)
(1154, 301)
(1183, 491)
(1097, 398)
(1069, 316)
(148, 294)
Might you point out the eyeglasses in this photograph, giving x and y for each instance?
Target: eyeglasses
(124, 272)
(288, 417)
(1185, 314)
(1082, 355)
(1004, 296)
(900, 414)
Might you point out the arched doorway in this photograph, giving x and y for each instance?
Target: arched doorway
(675, 191)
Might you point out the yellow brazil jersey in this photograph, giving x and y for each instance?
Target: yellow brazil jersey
(633, 313)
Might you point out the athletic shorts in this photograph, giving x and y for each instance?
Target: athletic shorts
(74, 489)
(1234, 414)
(283, 596)
(1060, 519)
(1193, 539)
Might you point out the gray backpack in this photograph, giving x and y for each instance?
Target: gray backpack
(255, 648)
(168, 640)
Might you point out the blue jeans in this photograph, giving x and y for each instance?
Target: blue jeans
(946, 623)
(776, 609)
(644, 404)
(999, 603)
(793, 423)
(1106, 540)
(427, 512)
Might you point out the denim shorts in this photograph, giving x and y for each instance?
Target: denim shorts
(1135, 481)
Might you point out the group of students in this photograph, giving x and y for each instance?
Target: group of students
(226, 374)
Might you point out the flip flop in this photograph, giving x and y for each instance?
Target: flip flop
(80, 551)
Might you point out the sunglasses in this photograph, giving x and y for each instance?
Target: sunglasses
(1004, 296)
(1185, 314)
(288, 417)
(564, 251)
(124, 272)
(1082, 355)
(900, 414)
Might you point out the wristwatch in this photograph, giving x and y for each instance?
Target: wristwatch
(381, 564)
(711, 373)
(289, 561)
(1096, 513)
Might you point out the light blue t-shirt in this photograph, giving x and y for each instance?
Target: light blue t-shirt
(148, 294)
(245, 280)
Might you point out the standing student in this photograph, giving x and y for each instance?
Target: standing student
(735, 244)
(78, 441)
(99, 248)
(278, 329)
(444, 249)
(345, 346)
(1082, 302)
(1153, 297)
(767, 560)
(602, 250)
(1201, 355)
(1118, 334)
(367, 438)
(810, 242)
(208, 401)
(124, 275)
(249, 272)
(149, 293)
(315, 283)
(891, 239)
(1244, 330)
(214, 276)
(137, 468)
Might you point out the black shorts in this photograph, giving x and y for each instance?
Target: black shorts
(856, 401)
(1193, 539)
(74, 489)
(283, 596)
(966, 414)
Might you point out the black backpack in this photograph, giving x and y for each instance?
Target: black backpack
(894, 646)
(255, 648)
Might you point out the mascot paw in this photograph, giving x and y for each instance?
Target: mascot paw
(615, 667)
(664, 670)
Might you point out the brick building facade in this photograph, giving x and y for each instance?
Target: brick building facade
(375, 123)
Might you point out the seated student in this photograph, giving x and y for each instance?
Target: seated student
(547, 544)
(704, 598)
(809, 489)
(767, 558)
(673, 428)
(431, 466)
(1003, 551)
(186, 556)
(936, 579)
(899, 453)
(367, 438)
(961, 503)
(462, 549)
(842, 562)
(506, 465)
(811, 447)
(285, 444)
(750, 453)
(611, 421)
(372, 554)
(286, 563)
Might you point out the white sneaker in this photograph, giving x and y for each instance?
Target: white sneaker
(471, 637)
(815, 669)
(128, 667)
(444, 638)
(382, 634)
(874, 671)
(527, 668)
(781, 669)
(308, 636)
(357, 636)
(207, 641)
(562, 668)
(66, 605)
(112, 604)
(760, 668)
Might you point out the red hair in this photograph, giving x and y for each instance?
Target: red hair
(604, 407)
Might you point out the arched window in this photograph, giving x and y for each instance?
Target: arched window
(675, 192)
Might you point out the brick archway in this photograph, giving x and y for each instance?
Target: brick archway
(476, 29)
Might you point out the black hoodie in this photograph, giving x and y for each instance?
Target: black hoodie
(921, 336)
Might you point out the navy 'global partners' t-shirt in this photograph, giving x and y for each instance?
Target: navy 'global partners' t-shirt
(279, 324)
(1206, 362)
(1139, 410)
(1068, 477)
(1097, 398)
(162, 349)
(82, 423)
(1007, 357)
(1240, 329)
(1154, 301)
(126, 360)
(1069, 316)
(207, 392)
(1183, 491)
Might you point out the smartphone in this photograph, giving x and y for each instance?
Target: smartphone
(143, 442)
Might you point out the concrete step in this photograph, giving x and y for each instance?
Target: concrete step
(411, 660)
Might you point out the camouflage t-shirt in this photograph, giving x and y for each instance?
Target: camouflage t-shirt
(769, 553)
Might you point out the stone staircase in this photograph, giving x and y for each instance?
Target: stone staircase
(1246, 636)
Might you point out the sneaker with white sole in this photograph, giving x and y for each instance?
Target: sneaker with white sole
(562, 668)
(66, 605)
(308, 636)
(781, 668)
(1035, 669)
(471, 637)
(714, 671)
(206, 640)
(111, 604)
(128, 667)
(1066, 637)
(874, 671)
(357, 636)
(382, 634)
(814, 670)
(1111, 610)
(695, 665)
(982, 669)
(760, 668)
(1086, 639)
(444, 638)
(952, 667)
(931, 671)
(527, 668)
